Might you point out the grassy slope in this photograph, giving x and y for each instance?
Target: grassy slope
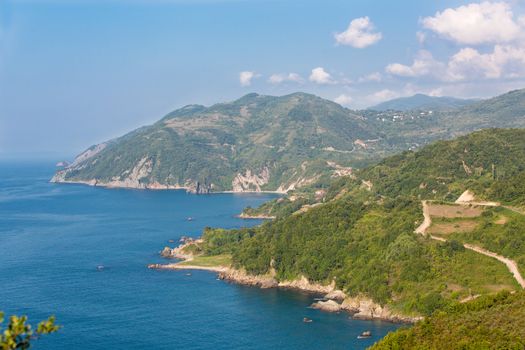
(209, 261)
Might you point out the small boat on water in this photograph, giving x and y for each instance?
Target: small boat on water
(100, 267)
(307, 320)
(189, 218)
(188, 274)
(364, 335)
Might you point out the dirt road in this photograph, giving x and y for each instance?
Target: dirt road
(511, 264)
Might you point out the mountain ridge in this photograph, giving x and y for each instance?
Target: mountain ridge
(272, 143)
(252, 144)
(423, 102)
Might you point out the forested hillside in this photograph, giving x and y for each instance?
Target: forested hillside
(489, 163)
(363, 237)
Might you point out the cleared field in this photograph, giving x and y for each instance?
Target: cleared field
(454, 211)
(209, 261)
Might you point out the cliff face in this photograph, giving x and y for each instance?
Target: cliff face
(249, 182)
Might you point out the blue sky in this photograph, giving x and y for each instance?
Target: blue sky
(77, 72)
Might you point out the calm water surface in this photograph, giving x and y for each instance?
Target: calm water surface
(52, 237)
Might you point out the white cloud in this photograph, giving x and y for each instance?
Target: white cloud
(468, 64)
(373, 77)
(424, 64)
(382, 95)
(360, 33)
(503, 62)
(421, 37)
(437, 92)
(320, 76)
(246, 77)
(476, 23)
(343, 99)
(281, 78)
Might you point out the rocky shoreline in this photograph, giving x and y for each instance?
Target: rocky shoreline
(255, 217)
(194, 189)
(333, 300)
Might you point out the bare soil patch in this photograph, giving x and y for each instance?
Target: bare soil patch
(502, 220)
(446, 228)
(499, 287)
(454, 211)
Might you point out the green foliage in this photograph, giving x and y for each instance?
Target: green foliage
(18, 334)
(505, 238)
(221, 241)
(489, 322)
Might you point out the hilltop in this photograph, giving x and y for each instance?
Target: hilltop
(422, 102)
(268, 143)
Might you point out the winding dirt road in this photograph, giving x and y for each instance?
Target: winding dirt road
(511, 264)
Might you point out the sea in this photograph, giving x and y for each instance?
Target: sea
(53, 238)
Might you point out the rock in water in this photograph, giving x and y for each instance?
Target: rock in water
(329, 305)
(167, 252)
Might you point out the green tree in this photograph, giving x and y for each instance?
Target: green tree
(19, 334)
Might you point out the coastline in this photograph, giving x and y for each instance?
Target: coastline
(333, 300)
(255, 217)
(155, 186)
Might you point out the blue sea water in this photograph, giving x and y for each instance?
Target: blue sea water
(52, 238)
